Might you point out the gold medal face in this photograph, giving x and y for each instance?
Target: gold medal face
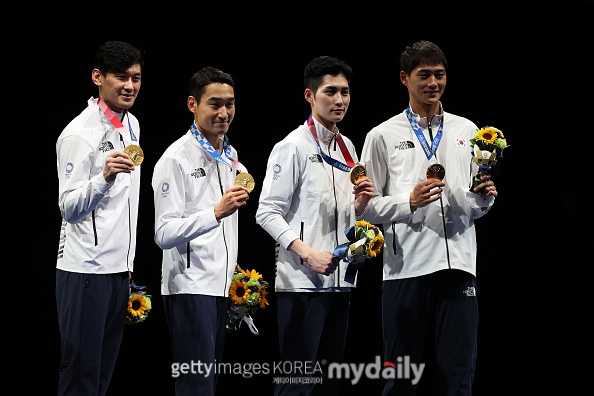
(435, 171)
(357, 172)
(246, 180)
(135, 153)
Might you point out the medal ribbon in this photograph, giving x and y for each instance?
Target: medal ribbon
(343, 148)
(429, 152)
(129, 135)
(213, 153)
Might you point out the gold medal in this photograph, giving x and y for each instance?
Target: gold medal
(246, 180)
(357, 172)
(135, 153)
(435, 171)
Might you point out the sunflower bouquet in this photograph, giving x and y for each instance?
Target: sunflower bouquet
(139, 305)
(247, 294)
(488, 145)
(365, 241)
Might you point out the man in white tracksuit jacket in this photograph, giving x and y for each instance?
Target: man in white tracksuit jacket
(196, 220)
(306, 204)
(98, 200)
(429, 286)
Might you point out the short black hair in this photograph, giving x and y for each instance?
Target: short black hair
(207, 76)
(324, 65)
(117, 57)
(421, 53)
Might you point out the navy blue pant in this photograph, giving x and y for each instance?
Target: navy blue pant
(91, 315)
(442, 308)
(312, 327)
(197, 327)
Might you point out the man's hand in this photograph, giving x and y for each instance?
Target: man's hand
(425, 192)
(233, 199)
(363, 191)
(116, 162)
(487, 187)
(321, 262)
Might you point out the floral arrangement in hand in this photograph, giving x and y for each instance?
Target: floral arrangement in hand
(488, 144)
(247, 294)
(366, 241)
(139, 305)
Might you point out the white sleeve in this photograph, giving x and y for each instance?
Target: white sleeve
(171, 227)
(382, 208)
(280, 182)
(79, 193)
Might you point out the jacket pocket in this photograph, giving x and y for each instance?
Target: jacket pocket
(94, 227)
(188, 255)
(301, 237)
(394, 237)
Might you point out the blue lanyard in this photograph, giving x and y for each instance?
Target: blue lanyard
(208, 147)
(329, 160)
(429, 152)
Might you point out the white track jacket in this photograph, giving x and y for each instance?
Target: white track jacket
(415, 243)
(199, 254)
(305, 198)
(98, 233)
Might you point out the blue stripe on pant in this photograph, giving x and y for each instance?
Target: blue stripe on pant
(91, 315)
(442, 308)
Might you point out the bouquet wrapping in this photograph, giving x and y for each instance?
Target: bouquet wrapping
(365, 241)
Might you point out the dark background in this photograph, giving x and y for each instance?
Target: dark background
(524, 68)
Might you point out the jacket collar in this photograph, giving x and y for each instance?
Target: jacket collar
(324, 134)
(436, 120)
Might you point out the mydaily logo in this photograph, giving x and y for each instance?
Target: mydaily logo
(402, 369)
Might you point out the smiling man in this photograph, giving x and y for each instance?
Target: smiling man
(306, 204)
(196, 225)
(429, 287)
(98, 200)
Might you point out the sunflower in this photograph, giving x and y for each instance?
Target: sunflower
(239, 292)
(252, 274)
(376, 245)
(137, 305)
(263, 300)
(487, 135)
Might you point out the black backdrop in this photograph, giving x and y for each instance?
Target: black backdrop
(522, 68)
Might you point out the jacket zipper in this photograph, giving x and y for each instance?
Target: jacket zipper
(129, 213)
(225, 292)
(445, 231)
(337, 282)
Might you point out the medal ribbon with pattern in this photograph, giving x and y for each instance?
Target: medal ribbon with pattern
(429, 152)
(133, 150)
(343, 148)
(211, 150)
(127, 134)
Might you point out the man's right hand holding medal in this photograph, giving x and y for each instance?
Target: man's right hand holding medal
(116, 162)
(232, 199)
(425, 192)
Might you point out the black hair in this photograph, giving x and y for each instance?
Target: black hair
(117, 57)
(324, 65)
(421, 53)
(207, 76)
